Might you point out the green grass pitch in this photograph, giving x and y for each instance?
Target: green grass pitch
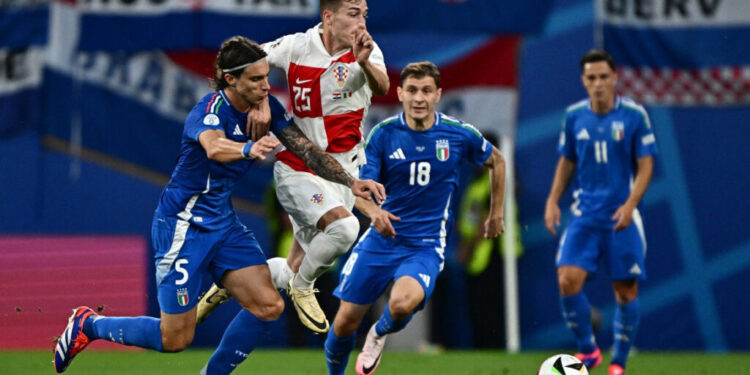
(300, 362)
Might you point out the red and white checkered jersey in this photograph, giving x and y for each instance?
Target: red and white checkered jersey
(329, 94)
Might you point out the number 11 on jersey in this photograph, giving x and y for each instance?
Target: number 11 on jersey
(600, 151)
(420, 172)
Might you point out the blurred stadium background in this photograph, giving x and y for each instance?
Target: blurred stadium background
(93, 94)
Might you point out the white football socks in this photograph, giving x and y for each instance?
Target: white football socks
(280, 272)
(324, 248)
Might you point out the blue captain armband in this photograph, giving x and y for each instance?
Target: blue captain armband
(246, 150)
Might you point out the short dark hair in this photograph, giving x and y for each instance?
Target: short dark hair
(333, 5)
(234, 52)
(419, 70)
(596, 55)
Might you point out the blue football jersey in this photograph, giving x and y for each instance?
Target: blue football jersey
(420, 172)
(199, 190)
(605, 149)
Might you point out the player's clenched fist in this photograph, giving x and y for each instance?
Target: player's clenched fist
(363, 44)
(494, 226)
(264, 146)
(367, 189)
(258, 120)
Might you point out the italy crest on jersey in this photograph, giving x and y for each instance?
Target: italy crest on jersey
(618, 130)
(442, 147)
(182, 296)
(340, 72)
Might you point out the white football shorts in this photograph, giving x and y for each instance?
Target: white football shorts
(307, 197)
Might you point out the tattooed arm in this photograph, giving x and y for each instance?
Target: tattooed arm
(325, 165)
(321, 163)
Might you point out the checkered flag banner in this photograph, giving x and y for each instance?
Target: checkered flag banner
(679, 53)
(710, 86)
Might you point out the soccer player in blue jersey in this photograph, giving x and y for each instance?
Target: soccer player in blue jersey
(417, 156)
(196, 233)
(608, 145)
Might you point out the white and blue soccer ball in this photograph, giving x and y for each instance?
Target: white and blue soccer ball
(562, 364)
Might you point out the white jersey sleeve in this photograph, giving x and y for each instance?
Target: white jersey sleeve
(376, 56)
(280, 51)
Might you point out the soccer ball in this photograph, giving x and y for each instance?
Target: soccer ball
(562, 364)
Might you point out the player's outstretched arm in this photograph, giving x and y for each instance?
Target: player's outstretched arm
(624, 214)
(563, 173)
(326, 166)
(494, 225)
(219, 148)
(381, 219)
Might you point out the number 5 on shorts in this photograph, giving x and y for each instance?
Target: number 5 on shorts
(178, 267)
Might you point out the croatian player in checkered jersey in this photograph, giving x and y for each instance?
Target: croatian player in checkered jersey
(332, 70)
(417, 155)
(607, 146)
(196, 233)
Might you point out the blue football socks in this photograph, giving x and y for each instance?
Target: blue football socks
(577, 315)
(141, 331)
(626, 321)
(243, 334)
(337, 352)
(386, 324)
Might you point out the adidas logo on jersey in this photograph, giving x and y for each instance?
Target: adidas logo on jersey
(398, 154)
(237, 130)
(583, 135)
(635, 270)
(425, 279)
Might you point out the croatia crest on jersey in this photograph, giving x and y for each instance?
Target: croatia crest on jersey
(442, 147)
(618, 130)
(182, 296)
(340, 72)
(317, 199)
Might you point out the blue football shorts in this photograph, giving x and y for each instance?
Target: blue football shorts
(622, 253)
(376, 261)
(188, 259)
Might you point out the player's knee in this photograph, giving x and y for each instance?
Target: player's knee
(343, 232)
(276, 309)
(175, 345)
(173, 342)
(402, 306)
(623, 298)
(568, 286)
(626, 291)
(344, 326)
(270, 310)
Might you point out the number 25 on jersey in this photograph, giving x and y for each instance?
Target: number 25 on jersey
(301, 98)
